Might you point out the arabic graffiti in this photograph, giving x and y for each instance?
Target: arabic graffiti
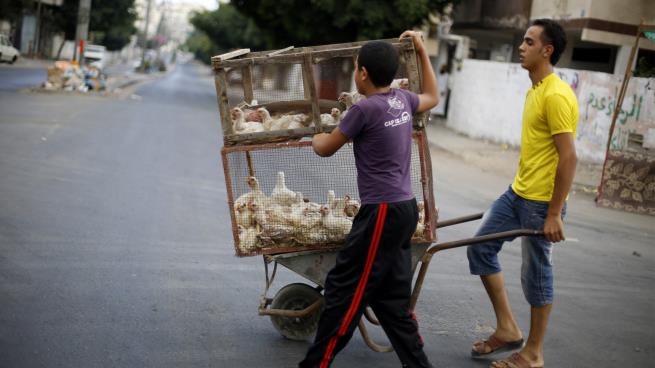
(570, 77)
(607, 105)
(597, 93)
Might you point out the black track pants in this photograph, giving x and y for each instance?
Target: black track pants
(373, 268)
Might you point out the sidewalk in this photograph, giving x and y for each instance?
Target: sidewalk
(498, 158)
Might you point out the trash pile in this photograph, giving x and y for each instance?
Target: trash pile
(68, 76)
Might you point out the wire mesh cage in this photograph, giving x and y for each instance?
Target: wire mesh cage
(296, 92)
(284, 198)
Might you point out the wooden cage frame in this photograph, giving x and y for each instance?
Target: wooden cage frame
(307, 57)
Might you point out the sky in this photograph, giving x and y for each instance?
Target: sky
(208, 4)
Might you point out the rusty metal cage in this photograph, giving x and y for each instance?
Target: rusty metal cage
(268, 214)
(299, 88)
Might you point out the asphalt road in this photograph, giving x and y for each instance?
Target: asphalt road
(116, 251)
(15, 77)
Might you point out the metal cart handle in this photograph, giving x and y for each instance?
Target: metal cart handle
(427, 257)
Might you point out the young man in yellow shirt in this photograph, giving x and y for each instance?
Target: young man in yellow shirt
(536, 199)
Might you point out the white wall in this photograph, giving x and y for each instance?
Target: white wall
(487, 100)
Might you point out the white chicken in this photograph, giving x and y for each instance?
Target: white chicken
(255, 194)
(258, 214)
(277, 214)
(281, 194)
(277, 234)
(316, 236)
(336, 114)
(421, 208)
(420, 228)
(350, 98)
(243, 215)
(351, 206)
(287, 121)
(247, 239)
(310, 219)
(402, 83)
(311, 230)
(336, 205)
(265, 116)
(337, 227)
(297, 210)
(346, 99)
(241, 126)
(327, 119)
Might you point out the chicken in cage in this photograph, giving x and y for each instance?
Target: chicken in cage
(299, 201)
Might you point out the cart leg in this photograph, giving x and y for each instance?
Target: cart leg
(371, 344)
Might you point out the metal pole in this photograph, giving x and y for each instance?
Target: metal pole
(145, 37)
(82, 31)
(38, 29)
(617, 106)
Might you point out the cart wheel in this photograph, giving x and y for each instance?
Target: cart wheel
(296, 296)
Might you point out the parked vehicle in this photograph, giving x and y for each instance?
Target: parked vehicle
(8, 52)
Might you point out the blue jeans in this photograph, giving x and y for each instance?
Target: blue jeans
(512, 212)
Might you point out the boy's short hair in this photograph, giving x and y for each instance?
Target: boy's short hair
(553, 34)
(380, 60)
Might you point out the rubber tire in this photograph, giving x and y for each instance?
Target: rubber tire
(296, 296)
(13, 60)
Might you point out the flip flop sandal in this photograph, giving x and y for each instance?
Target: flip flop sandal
(497, 346)
(515, 361)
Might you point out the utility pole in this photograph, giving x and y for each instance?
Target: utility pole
(82, 32)
(145, 38)
(37, 40)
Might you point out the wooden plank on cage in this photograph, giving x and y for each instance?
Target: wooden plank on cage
(308, 76)
(220, 81)
(230, 55)
(262, 60)
(429, 205)
(320, 56)
(230, 195)
(280, 51)
(265, 137)
(246, 73)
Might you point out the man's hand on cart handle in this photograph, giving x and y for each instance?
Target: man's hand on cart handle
(554, 228)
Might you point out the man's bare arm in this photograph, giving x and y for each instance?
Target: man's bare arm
(565, 144)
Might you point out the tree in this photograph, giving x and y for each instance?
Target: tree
(111, 23)
(229, 29)
(293, 22)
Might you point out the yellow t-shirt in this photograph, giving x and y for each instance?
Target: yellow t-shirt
(550, 108)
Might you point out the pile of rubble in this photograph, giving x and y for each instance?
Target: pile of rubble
(68, 76)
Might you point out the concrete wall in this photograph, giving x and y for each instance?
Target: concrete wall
(626, 11)
(487, 100)
(630, 11)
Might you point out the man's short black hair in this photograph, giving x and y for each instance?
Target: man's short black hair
(552, 34)
(380, 60)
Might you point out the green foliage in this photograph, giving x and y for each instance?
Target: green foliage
(11, 9)
(229, 29)
(111, 23)
(645, 67)
(201, 46)
(115, 19)
(299, 23)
